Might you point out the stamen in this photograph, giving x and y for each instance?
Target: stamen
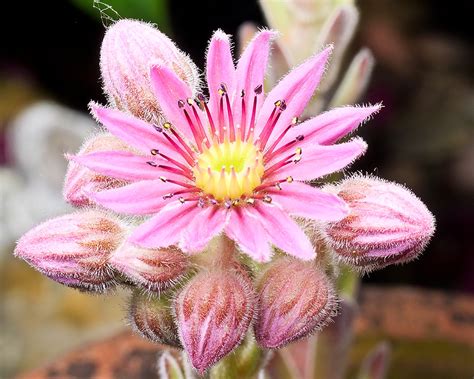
(243, 116)
(208, 113)
(175, 170)
(284, 162)
(270, 125)
(175, 162)
(183, 153)
(197, 137)
(221, 119)
(201, 128)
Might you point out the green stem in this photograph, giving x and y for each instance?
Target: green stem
(333, 343)
(226, 368)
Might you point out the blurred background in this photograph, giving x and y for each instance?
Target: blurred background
(49, 71)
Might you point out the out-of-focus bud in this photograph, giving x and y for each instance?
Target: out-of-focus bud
(295, 298)
(214, 311)
(74, 249)
(168, 367)
(355, 79)
(152, 318)
(375, 364)
(337, 30)
(128, 49)
(153, 269)
(387, 224)
(79, 178)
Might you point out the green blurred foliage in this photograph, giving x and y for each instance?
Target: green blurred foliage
(108, 11)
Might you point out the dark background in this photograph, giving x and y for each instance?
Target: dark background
(423, 137)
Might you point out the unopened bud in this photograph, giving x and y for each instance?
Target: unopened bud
(152, 318)
(80, 179)
(168, 367)
(295, 299)
(214, 311)
(153, 269)
(128, 50)
(74, 249)
(375, 364)
(387, 224)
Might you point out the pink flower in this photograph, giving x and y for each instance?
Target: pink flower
(237, 163)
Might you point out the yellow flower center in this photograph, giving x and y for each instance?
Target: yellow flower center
(229, 170)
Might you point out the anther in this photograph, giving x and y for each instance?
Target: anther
(190, 101)
(289, 179)
(299, 151)
(235, 202)
(167, 125)
(250, 201)
(278, 103)
(242, 93)
(163, 179)
(201, 97)
(158, 128)
(267, 199)
(181, 200)
(258, 89)
(295, 120)
(228, 204)
(168, 196)
(282, 105)
(181, 103)
(152, 164)
(278, 186)
(154, 151)
(222, 89)
(200, 203)
(299, 138)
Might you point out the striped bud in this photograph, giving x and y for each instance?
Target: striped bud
(387, 224)
(79, 178)
(295, 298)
(128, 50)
(152, 318)
(214, 311)
(153, 269)
(74, 249)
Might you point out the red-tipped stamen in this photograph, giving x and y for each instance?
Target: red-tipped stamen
(284, 162)
(197, 137)
(201, 127)
(268, 154)
(175, 162)
(243, 116)
(221, 119)
(184, 144)
(252, 117)
(209, 117)
(265, 135)
(183, 153)
(176, 170)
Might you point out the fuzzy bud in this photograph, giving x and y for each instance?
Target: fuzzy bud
(74, 249)
(128, 50)
(152, 318)
(153, 269)
(295, 299)
(387, 224)
(214, 311)
(79, 178)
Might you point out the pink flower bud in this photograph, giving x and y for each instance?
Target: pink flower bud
(152, 318)
(387, 224)
(295, 298)
(79, 178)
(214, 311)
(128, 50)
(152, 269)
(74, 249)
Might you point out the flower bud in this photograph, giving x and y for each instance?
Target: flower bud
(168, 367)
(375, 364)
(74, 249)
(153, 269)
(128, 50)
(295, 298)
(79, 178)
(214, 311)
(152, 318)
(387, 224)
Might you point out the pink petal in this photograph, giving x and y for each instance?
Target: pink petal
(133, 131)
(330, 126)
(251, 71)
(165, 228)
(284, 232)
(124, 165)
(220, 68)
(169, 89)
(318, 160)
(144, 197)
(300, 199)
(246, 229)
(203, 228)
(296, 89)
